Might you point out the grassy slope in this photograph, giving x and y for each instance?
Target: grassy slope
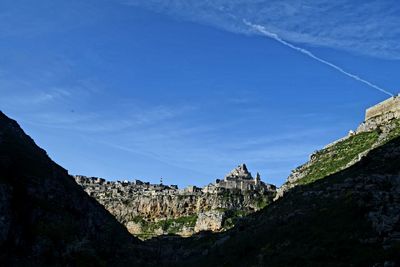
(336, 157)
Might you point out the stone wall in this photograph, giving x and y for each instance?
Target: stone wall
(380, 115)
(390, 105)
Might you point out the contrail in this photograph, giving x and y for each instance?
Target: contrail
(274, 36)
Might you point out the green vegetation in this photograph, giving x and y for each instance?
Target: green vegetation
(338, 156)
(335, 158)
(233, 217)
(262, 202)
(170, 226)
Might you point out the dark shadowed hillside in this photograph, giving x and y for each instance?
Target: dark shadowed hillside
(351, 218)
(46, 218)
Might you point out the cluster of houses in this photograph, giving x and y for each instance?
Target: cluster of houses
(240, 179)
(96, 186)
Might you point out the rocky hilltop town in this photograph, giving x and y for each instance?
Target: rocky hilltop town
(149, 210)
(156, 209)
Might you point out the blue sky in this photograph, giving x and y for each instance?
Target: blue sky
(185, 90)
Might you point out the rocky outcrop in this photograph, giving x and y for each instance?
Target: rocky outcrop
(148, 210)
(378, 122)
(210, 221)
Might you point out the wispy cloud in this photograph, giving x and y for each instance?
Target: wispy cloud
(274, 36)
(106, 121)
(33, 98)
(28, 95)
(365, 27)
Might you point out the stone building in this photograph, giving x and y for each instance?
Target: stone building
(192, 189)
(391, 105)
(240, 178)
(381, 114)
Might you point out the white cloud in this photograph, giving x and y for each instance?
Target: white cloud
(366, 27)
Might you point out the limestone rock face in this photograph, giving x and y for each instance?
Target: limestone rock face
(148, 209)
(210, 221)
(134, 228)
(144, 209)
(378, 121)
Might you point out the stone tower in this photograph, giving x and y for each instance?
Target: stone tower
(257, 180)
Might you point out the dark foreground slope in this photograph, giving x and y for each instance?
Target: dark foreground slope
(351, 218)
(46, 218)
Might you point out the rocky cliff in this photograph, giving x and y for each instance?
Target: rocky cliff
(149, 210)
